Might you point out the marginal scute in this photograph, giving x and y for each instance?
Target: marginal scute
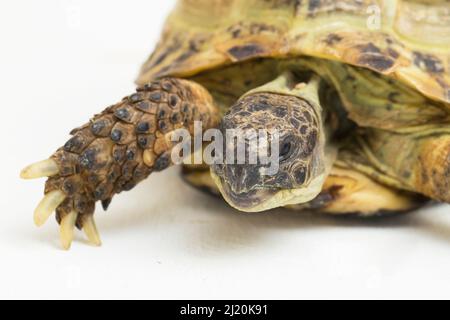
(376, 62)
(246, 51)
(428, 62)
(332, 39)
(317, 8)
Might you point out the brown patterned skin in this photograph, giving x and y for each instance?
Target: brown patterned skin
(296, 121)
(124, 144)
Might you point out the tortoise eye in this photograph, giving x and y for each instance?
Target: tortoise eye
(285, 150)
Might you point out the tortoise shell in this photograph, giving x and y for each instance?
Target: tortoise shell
(405, 40)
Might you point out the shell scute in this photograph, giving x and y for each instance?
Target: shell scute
(409, 44)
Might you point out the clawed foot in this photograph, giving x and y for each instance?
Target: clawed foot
(115, 151)
(72, 209)
(71, 212)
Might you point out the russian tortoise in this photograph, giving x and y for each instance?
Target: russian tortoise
(363, 111)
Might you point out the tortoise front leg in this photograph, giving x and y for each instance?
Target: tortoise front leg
(115, 151)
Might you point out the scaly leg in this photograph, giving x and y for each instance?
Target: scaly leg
(115, 151)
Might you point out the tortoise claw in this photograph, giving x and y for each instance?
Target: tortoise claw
(54, 201)
(90, 229)
(47, 206)
(67, 229)
(42, 169)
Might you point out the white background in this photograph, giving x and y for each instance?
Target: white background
(62, 61)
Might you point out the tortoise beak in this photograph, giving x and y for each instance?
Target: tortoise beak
(241, 194)
(246, 201)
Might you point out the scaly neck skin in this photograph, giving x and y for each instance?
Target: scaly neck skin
(303, 171)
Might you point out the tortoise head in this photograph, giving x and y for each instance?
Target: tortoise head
(286, 126)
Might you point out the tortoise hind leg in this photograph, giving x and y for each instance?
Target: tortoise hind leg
(116, 150)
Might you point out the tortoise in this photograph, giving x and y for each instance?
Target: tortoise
(358, 92)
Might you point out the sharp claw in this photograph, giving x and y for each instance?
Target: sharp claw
(90, 229)
(46, 168)
(67, 229)
(47, 206)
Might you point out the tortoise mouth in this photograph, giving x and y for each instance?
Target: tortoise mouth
(248, 201)
(258, 200)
